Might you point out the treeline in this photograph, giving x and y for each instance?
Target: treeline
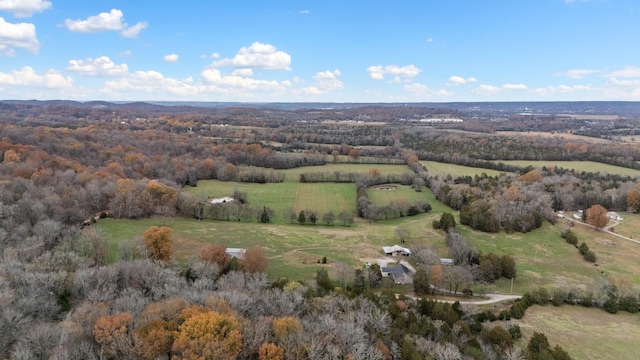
(452, 148)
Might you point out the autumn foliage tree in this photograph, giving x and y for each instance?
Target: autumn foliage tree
(208, 335)
(159, 242)
(254, 260)
(215, 254)
(112, 333)
(597, 216)
(270, 351)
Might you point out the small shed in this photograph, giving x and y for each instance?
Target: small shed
(396, 250)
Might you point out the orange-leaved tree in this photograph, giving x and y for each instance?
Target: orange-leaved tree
(597, 216)
(254, 261)
(112, 333)
(270, 351)
(159, 242)
(208, 335)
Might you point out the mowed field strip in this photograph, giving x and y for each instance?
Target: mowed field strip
(586, 166)
(444, 169)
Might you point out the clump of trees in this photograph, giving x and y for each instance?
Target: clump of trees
(571, 238)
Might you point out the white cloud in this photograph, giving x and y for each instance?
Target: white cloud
(485, 89)
(622, 89)
(304, 12)
(242, 72)
(214, 80)
(215, 55)
(150, 82)
(21, 35)
(560, 89)
(378, 72)
(26, 76)
(423, 90)
(133, 31)
(102, 66)
(125, 53)
(325, 81)
(459, 80)
(430, 40)
(24, 8)
(514, 87)
(258, 56)
(576, 73)
(111, 21)
(171, 58)
(629, 71)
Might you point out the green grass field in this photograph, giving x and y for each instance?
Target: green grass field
(584, 333)
(294, 174)
(587, 166)
(444, 169)
(381, 197)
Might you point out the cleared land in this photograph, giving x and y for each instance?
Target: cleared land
(444, 169)
(294, 174)
(588, 166)
(381, 197)
(584, 333)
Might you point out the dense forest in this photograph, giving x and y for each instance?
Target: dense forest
(64, 165)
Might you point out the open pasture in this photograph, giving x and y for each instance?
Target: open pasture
(294, 174)
(382, 195)
(585, 333)
(587, 166)
(444, 169)
(544, 259)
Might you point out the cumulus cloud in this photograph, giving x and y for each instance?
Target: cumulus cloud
(150, 82)
(304, 12)
(111, 21)
(560, 89)
(133, 31)
(102, 66)
(423, 90)
(485, 89)
(258, 56)
(26, 76)
(627, 72)
(378, 72)
(214, 80)
(429, 40)
(21, 35)
(514, 87)
(325, 81)
(125, 53)
(171, 58)
(24, 8)
(215, 55)
(459, 80)
(622, 89)
(576, 73)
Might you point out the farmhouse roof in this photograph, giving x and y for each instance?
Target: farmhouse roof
(395, 248)
(235, 252)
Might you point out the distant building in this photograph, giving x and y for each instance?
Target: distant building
(396, 250)
(614, 216)
(221, 200)
(236, 252)
(446, 261)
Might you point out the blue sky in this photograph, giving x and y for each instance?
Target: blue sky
(322, 50)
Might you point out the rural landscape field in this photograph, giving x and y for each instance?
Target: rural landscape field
(116, 230)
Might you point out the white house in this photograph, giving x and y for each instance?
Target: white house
(614, 216)
(396, 250)
(236, 252)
